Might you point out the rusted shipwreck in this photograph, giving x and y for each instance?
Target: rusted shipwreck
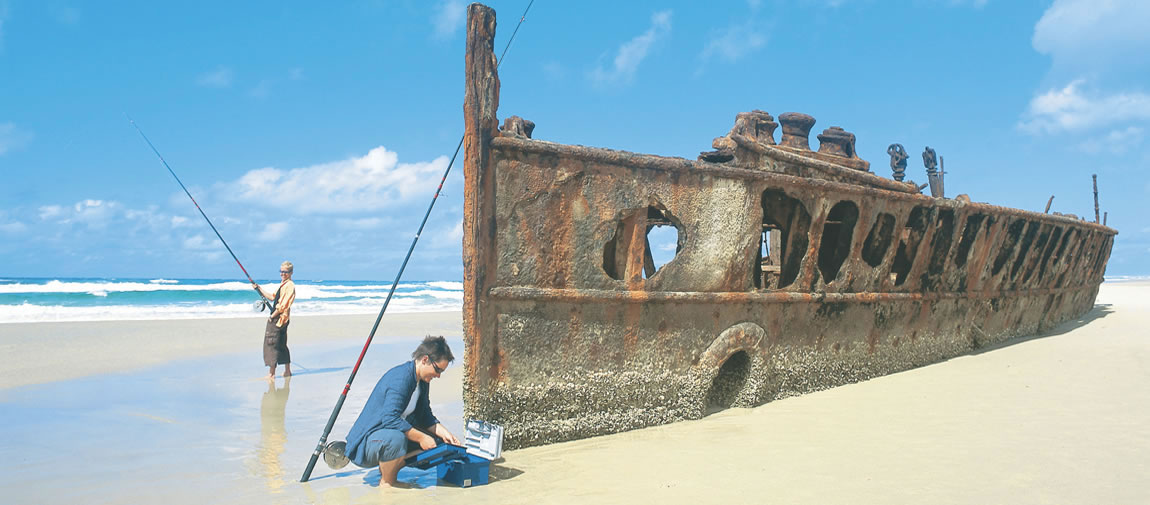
(795, 271)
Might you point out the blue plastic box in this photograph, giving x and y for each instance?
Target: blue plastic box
(437, 456)
(470, 471)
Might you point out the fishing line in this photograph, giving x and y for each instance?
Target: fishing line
(343, 395)
(267, 303)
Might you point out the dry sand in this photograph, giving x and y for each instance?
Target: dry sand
(1062, 417)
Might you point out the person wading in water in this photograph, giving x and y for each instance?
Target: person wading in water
(275, 334)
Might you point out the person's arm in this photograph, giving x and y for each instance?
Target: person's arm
(287, 299)
(424, 440)
(283, 306)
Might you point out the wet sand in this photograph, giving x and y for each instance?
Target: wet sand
(1057, 418)
(34, 353)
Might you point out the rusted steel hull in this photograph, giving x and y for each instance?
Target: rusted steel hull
(791, 275)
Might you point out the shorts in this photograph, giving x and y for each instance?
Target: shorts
(384, 444)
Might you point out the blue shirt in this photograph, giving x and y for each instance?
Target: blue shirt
(384, 408)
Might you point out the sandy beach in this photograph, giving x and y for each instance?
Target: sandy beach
(173, 411)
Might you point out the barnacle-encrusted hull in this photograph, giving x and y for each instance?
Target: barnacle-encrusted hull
(793, 273)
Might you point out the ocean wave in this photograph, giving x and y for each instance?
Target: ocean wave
(448, 295)
(1127, 278)
(56, 286)
(450, 285)
(310, 292)
(303, 288)
(31, 313)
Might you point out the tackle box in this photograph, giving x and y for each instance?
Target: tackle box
(464, 466)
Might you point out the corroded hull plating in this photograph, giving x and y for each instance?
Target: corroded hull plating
(792, 274)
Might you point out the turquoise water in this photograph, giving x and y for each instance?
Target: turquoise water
(94, 299)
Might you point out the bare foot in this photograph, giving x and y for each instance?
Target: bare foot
(287, 373)
(270, 378)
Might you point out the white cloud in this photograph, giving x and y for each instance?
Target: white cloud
(94, 213)
(1094, 35)
(221, 77)
(1115, 142)
(12, 137)
(179, 221)
(371, 182)
(1071, 108)
(50, 211)
(632, 52)
(197, 243)
(274, 231)
(449, 18)
(734, 42)
(13, 227)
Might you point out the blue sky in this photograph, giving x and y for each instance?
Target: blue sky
(317, 132)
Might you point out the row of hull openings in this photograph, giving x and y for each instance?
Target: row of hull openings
(1029, 249)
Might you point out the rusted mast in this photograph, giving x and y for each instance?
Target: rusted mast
(481, 101)
(1048, 202)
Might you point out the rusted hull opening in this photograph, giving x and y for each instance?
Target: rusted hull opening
(783, 241)
(728, 382)
(878, 240)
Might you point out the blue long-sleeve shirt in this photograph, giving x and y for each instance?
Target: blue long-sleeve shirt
(384, 408)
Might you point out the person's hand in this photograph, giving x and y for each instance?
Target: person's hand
(255, 286)
(441, 432)
(449, 438)
(427, 442)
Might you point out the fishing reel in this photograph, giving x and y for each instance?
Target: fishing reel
(260, 306)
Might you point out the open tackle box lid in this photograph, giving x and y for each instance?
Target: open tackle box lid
(483, 439)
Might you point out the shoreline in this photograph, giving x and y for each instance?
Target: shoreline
(41, 352)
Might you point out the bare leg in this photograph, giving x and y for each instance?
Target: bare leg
(389, 471)
(271, 372)
(287, 369)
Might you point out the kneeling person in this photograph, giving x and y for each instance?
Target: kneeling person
(397, 417)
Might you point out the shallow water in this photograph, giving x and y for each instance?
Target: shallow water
(201, 430)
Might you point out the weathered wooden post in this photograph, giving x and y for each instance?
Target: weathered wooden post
(1096, 220)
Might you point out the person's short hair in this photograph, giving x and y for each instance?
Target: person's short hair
(287, 266)
(435, 348)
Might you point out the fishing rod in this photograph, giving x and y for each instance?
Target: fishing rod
(343, 395)
(267, 303)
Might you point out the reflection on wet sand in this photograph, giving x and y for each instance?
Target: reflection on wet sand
(273, 435)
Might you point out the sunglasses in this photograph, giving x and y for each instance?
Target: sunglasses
(436, 367)
(285, 271)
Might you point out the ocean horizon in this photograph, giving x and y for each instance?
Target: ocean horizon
(47, 299)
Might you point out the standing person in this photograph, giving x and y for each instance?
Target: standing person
(397, 417)
(275, 333)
